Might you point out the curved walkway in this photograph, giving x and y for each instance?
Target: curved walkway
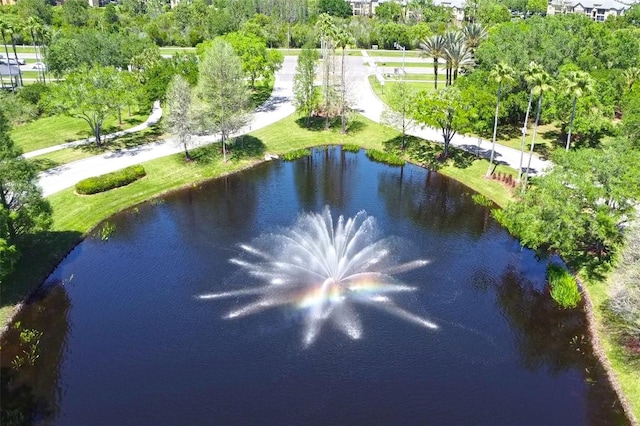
(154, 117)
(277, 107)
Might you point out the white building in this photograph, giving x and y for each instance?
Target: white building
(598, 10)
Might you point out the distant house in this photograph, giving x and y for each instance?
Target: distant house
(457, 7)
(363, 7)
(598, 10)
(10, 76)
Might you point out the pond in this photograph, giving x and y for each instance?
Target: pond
(127, 339)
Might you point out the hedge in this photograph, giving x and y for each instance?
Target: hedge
(384, 157)
(102, 183)
(564, 288)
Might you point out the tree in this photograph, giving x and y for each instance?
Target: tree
(434, 47)
(22, 208)
(400, 99)
(459, 56)
(474, 33)
(89, 94)
(530, 75)
(501, 73)
(541, 83)
(343, 39)
(576, 84)
(4, 29)
(578, 208)
(222, 89)
(389, 11)
(337, 8)
(328, 32)
(444, 110)
(304, 90)
(75, 13)
(179, 120)
(537, 6)
(256, 60)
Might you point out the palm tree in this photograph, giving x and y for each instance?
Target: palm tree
(530, 75)
(33, 26)
(577, 83)
(474, 33)
(459, 56)
(540, 84)
(14, 29)
(501, 73)
(433, 47)
(451, 39)
(328, 32)
(343, 38)
(631, 76)
(4, 29)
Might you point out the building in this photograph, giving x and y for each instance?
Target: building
(598, 10)
(457, 8)
(6, 2)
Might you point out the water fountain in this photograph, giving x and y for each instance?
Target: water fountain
(325, 269)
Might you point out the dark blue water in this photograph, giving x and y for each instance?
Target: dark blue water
(126, 342)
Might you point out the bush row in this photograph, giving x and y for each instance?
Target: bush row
(94, 185)
(350, 147)
(385, 157)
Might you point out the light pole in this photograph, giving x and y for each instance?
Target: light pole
(400, 47)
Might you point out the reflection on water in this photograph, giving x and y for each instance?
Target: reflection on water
(126, 341)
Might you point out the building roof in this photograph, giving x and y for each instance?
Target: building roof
(9, 70)
(596, 4)
(458, 4)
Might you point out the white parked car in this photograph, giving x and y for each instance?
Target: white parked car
(39, 66)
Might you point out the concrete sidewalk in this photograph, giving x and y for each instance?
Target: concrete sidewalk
(154, 117)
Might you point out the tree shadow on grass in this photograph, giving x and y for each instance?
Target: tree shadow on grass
(247, 146)
(428, 154)
(40, 254)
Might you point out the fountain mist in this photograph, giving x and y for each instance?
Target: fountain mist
(324, 269)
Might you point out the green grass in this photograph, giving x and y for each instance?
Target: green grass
(57, 129)
(425, 64)
(383, 92)
(547, 138)
(419, 76)
(394, 53)
(68, 155)
(23, 49)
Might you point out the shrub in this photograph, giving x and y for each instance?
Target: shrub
(624, 293)
(94, 185)
(298, 153)
(351, 147)
(34, 94)
(385, 157)
(564, 288)
(482, 200)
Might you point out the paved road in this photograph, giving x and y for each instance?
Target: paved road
(277, 107)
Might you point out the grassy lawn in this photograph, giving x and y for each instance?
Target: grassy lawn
(420, 76)
(394, 53)
(68, 155)
(424, 64)
(382, 92)
(547, 138)
(23, 49)
(57, 129)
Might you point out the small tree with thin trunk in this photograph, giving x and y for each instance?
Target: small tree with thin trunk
(222, 90)
(178, 121)
(89, 94)
(529, 75)
(304, 90)
(400, 98)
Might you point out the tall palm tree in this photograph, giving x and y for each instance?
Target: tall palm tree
(33, 26)
(541, 84)
(501, 73)
(343, 39)
(459, 56)
(530, 75)
(451, 38)
(4, 29)
(577, 84)
(14, 29)
(433, 47)
(328, 32)
(474, 33)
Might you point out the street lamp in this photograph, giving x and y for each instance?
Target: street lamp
(400, 47)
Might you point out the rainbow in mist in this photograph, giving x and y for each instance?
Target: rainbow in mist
(324, 269)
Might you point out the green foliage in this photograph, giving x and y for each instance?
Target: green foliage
(351, 147)
(102, 183)
(564, 288)
(631, 118)
(257, 62)
(389, 12)
(338, 8)
(107, 230)
(29, 343)
(34, 94)
(482, 200)
(624, 292)
(306, 94)
(16, 109)
(385, 157)
(578, 208)
(294, 155)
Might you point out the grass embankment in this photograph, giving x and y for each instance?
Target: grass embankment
(74, 216)
(394, 53)
(424, 64)
(57, 129)
(626, 367)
